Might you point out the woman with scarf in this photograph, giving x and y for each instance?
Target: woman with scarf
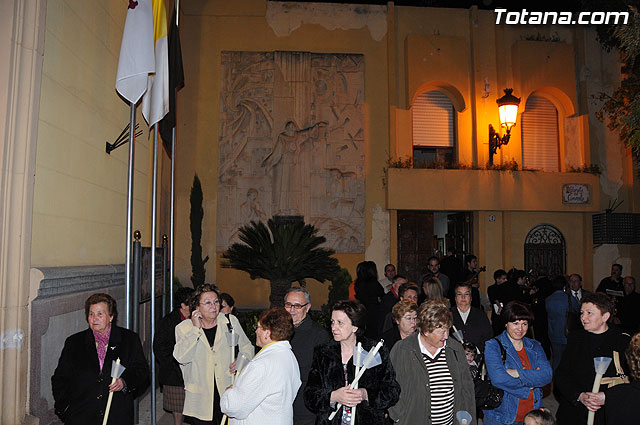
(82, 381)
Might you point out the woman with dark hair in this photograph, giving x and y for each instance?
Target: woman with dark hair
(227, 303)
(623, 401)
(517, 365)
(432, 371)
(575, 375)
(204, 355)
(332, 371)
(82, 381)
(170, 375)
(265, 389)
(369, 292)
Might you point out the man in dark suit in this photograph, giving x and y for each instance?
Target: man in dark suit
(308, 334)
(472, 321)
(497, 297)
(576, 291)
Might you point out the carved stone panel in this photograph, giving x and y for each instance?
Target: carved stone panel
(292, 143)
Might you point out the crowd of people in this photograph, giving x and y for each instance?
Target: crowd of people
(436, 353)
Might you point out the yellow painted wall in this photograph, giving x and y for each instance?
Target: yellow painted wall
(79, 214)
(460, 52)
(80, 191)
(215, 26)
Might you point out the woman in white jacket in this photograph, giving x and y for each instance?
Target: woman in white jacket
(264, 391)
(204, 355)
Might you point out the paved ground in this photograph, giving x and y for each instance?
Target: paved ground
(164, 418)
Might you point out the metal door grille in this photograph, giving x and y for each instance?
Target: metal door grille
(545, 247)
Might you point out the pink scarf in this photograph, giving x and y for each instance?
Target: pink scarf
(101, 345)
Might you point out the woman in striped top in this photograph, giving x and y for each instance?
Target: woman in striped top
(432, 372)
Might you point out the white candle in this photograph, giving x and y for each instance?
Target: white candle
(113, 380)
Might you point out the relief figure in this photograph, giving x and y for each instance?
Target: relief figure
(285, 161)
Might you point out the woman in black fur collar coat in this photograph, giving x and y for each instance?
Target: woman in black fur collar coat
(332, 371)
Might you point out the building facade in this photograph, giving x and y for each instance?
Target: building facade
(371, 121)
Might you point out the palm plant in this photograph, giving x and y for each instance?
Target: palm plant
(281, 253)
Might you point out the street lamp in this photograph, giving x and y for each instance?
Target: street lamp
(508, 109)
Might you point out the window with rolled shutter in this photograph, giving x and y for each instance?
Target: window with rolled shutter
(540, 144)
(433, 122)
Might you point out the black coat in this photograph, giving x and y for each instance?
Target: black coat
(386, 305)
(327, 375)
(80, 389)
(369, 293)
(390, 337)
(307, 336)
(622, 406)
(165, 340)
(477, 329)
(576, 372)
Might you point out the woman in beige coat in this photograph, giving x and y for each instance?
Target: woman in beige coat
(204, 355)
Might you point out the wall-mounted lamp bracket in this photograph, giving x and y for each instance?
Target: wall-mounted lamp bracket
(495, 142)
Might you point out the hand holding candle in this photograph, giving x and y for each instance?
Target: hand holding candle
(116, 371)
(367, 363)
(592, 400)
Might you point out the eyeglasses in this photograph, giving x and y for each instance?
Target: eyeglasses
(295, 306)
(256, 327)
(210, 303)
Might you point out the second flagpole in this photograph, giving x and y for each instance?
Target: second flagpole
(154, 201)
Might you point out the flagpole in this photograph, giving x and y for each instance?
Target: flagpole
(128, 235)
(153, 271)
(171, 226)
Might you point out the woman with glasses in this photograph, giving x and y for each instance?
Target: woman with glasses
(333, 370)
(405, 314)
(204, 354)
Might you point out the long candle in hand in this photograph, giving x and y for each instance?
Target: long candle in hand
(113, 380)
(601, 365)
(367, 359)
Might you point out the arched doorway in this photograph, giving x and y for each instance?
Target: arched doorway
(544, 247)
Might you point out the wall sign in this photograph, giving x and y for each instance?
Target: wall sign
(576, 194)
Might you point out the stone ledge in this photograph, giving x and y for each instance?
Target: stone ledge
(58, 281)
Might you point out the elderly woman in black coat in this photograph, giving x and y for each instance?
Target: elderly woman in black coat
(332, 371)
(82, 381)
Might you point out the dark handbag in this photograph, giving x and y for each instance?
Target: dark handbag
(571, 319)
(489, 397)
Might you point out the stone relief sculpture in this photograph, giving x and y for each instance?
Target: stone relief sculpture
(292, 143)
(287, 165)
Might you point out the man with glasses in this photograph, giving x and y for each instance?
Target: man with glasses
(307, 335)
(472, 321)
